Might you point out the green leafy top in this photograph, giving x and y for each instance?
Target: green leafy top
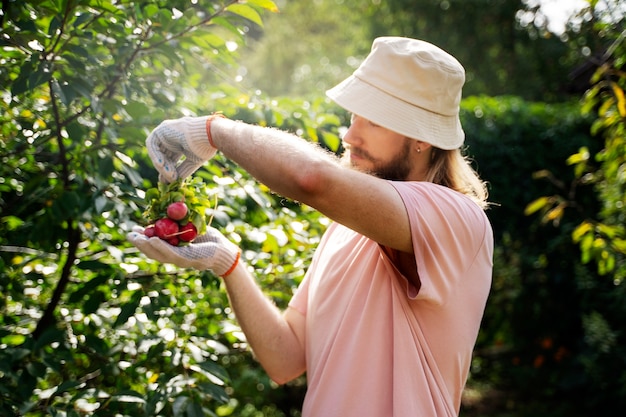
(192, 191)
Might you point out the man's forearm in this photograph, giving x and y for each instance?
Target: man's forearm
(287, 164)
(270, 336)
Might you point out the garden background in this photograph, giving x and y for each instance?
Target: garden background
(89, 326)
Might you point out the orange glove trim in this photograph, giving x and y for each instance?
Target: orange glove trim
(208, 126)
(234, 265)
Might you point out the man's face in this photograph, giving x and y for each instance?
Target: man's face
(375, 150)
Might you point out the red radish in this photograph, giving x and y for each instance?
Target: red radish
(174, 240)
(188, 232)
(177, 210)
(165, 228)
(149, 231)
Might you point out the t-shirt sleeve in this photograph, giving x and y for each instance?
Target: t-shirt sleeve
(448, 231)
(299, 301)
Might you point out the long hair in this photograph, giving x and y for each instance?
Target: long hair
(452, 169)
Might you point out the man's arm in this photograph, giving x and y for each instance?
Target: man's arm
(277, 339)
(302, 171)
(296, 169)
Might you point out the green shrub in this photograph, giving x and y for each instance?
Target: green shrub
(549, 344)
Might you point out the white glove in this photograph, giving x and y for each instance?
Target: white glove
(208, 251)
(172, 139)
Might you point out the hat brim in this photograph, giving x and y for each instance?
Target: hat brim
(368, 101)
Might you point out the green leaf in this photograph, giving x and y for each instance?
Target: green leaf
(18, 353)
(31, 75)
(55, 24)
(105, 167)
(66, 385)
(12, 222)
(621, 99)
(179, 405)
(128, 309)
(76, 132)
(150, 10)
(581, 156)
(536, 205)
(331, 141)
(48, 337)
(265, 4)
(128, 396)
(93, 302)
(581, 230)
(194, 409)
(225, 23)
(100, 204)
(95, 265)
(245, 11)
(36, 369)
(214, 369)
(39, 75)
(91, 285)
(20, 85)
(60, 93)
(137, 109)
(152, 194)
(82, 18)
(78, 87)
(215, 391)
(13, 339)
(68, 204)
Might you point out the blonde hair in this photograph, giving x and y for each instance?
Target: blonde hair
(452, 169)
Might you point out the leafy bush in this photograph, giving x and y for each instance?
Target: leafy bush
(88, 326)
(551, 326)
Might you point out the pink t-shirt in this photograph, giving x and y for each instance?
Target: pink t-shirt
(375, 345)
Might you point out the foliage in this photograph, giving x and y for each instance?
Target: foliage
(88, 326)
(192, 191)
(603, 240)
(311, 46)
(597, 229)
(550, 342)
(500, 56)
(308, 47)
(511, 140)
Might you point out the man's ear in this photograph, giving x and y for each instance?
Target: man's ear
(420, 146)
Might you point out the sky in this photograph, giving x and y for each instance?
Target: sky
(559, 11)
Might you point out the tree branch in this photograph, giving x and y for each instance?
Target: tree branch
(47, 319)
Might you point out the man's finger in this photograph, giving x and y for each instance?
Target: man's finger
(187, 167)
(141, 242)
(163, 252)
(166, 167)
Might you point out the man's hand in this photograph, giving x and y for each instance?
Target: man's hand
(172, 140)
(209, 251)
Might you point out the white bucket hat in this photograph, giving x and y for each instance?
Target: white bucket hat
(409, 86)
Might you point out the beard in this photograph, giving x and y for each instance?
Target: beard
(397, 169)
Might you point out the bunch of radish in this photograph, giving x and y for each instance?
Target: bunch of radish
(177, 212)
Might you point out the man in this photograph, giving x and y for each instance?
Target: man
(386, 318)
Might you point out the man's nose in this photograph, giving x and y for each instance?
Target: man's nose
(349, 136)
(352, 136)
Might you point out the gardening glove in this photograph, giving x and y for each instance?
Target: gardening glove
(173, 139)
(208, 251)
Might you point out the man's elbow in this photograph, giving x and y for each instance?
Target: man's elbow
(283, 376)
(312, 180)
